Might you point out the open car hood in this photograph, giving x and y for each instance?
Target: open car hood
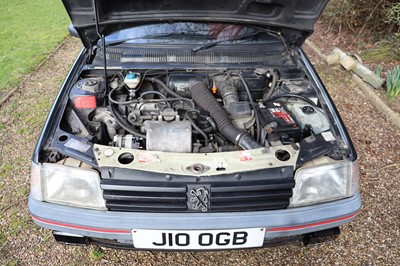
(295, 18)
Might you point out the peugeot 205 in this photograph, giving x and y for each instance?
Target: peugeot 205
(192, 125)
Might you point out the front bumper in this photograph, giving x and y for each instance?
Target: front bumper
(118, 225)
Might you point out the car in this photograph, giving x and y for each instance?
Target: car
(193, 126)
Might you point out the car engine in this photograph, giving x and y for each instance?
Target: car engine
(195, 111)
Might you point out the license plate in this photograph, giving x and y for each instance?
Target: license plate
(198, 239)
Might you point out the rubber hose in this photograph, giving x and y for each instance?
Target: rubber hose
(271, 90)
(253, 105)
(211, 121)
(204, 98)
(124, 124)
(164, 86)
(206, 140)
(291, 95)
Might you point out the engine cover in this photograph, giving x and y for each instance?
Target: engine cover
(168, 136)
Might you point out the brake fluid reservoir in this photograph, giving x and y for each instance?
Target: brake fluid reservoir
(132, 80)
(306, 114)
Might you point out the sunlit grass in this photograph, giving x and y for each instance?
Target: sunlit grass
(29, 31)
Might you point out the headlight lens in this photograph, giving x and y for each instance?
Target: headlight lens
(70, 186)
(325, 183)
(36, 184)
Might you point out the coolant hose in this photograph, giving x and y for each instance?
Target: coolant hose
(164, 86)
(204, 98)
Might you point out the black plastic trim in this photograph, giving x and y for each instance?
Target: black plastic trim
(133, 190)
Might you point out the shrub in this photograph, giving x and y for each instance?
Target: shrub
(393, 82)
(383, 51)
(359, 17)
(393, 15)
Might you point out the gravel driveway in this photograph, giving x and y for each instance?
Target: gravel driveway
(373, 238)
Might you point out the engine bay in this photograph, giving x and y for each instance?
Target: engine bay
(201, 111)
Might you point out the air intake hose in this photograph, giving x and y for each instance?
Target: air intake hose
(204, 98)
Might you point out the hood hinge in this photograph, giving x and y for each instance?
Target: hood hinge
(294, 54)
(91, 50)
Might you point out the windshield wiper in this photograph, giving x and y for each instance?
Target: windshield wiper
(156, 36)
(212, 44)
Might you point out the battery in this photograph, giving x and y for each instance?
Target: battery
(279, 123)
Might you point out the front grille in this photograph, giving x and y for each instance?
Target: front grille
(230, 196)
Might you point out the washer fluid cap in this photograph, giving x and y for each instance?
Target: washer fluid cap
(131, 75)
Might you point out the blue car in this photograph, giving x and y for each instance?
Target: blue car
(193, 126)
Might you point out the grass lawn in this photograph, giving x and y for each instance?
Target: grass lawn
(29, 31)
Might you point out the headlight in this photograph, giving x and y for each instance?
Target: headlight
(324, 183)
(36, 184)
(68, 185)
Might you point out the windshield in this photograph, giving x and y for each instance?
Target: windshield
(189, 33)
